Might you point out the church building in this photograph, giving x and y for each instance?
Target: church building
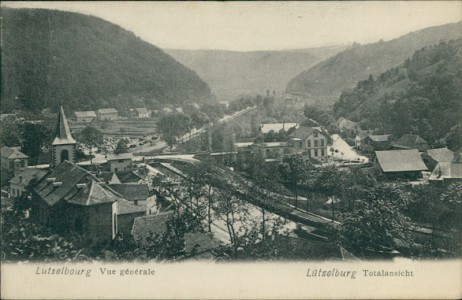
(63, 146)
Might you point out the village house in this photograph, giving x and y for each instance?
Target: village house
(349, 127)
(119, 162)
(405, 164)
(19, 183)
(271, 150)
(360, 136)
(63, 146)
(441, 155)
(310, 142)
(446, 173)
(276, 127)
(376, 142)
(410, 141)
(85, 116)
(70, 199)
(126, 215)
(137, 193)
(142, 112)
(119, 177)
(107, 114)
(13, 161)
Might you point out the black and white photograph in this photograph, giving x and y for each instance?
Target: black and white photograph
(142, 136)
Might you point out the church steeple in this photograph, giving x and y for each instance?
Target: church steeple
(64, 145)
(63, 133)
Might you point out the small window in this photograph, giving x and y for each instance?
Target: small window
(309, 144)
(322, 152)
(316, 143)
(316, 152)
(322, 143)
(315, 134)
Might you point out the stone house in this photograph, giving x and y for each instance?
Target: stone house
(142, 112)
(107, 114)
(85, 116)
(119, 162)
(310, 142)
(13, 161)
(19, 183)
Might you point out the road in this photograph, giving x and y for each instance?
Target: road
(345, 151)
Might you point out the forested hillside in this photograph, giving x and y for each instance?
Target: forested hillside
(423, 95)
(51, 57)
(326, 80)
(232, 74)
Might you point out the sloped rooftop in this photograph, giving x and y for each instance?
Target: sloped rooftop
(25, 176)
(400, 160)
(441, 155)
(411, 141)
(12, 153)
(71, 183)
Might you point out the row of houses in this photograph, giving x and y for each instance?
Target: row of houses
(110, 114)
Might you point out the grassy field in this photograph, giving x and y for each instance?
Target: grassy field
(122, 127)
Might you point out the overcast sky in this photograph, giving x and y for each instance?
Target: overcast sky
(248, 26)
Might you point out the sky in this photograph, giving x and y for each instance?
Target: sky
(250, 26)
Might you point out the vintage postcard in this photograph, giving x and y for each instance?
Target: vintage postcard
(231, 150)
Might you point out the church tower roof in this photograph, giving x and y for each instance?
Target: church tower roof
(63, 134)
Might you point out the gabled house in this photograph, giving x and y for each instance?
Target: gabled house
(405, 164)
(446, 173)
(375, 142)
(410, 141)
(137, 193)
(441, 155)
(360, 136)
(119, 162)
(13, 161)
(119, 177)
(85, 116)
(348, 126)
(310, 142)
(142, 112)
(19, 183)
(107, 114)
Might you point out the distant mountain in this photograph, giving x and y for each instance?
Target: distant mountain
(231, 74)
(51, 57)
(326, 80)
(422, 95)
